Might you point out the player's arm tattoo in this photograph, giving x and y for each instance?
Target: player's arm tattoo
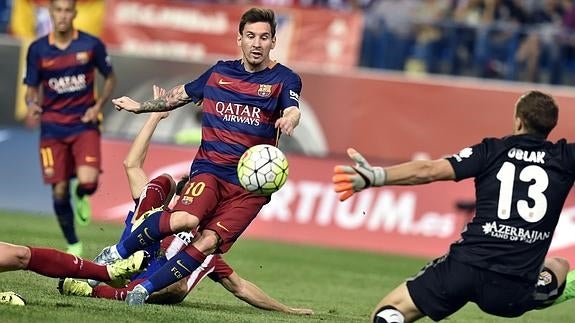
(174, 98)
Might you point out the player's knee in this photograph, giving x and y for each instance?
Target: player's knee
(60, 191)
(564, 263)
(208, 242)
(164, 180)
(168, 185)
(183, 221)
(21, 256)
(212, 237)
(557, 264)
(388, 314)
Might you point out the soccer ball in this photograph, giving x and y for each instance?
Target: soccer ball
(263, 169)
(11, 298)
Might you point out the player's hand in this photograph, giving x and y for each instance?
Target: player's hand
(126, 103)
(33, 113)
(350, 179)
(288, 121)
(34, 110)
(92, 114)
(286, 125)
(301, 311)
(158, 93)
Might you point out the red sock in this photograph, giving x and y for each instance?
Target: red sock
(58, 264)
(105, 291)
(156, 192)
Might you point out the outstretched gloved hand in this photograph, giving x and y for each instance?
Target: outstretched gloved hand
(350, 179)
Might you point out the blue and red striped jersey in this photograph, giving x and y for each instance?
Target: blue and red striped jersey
(239, 111)
(66, 78)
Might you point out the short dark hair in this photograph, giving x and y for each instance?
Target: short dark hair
(74, 1)
(258, 15)
(181, 183)
(539, 112)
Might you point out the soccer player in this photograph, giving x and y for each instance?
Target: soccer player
(217, 270)
(521, 183)
(158, 192)
(245, 102)
(55, 263)
(60, 79)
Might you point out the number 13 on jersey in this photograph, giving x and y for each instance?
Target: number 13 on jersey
(539, 182)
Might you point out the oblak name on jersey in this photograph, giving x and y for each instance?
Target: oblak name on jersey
(527, 156)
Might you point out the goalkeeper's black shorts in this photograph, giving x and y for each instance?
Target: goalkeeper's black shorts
(445, 285)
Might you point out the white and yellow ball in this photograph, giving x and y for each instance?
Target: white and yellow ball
(11, 298)
(263, 169)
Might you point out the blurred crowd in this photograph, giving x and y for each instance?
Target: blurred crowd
(521, 40)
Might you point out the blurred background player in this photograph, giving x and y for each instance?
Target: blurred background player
(55, 263)
(60, 79)
(521, 183)
(156, 194)
(245, 102)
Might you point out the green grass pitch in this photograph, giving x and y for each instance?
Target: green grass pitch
(341, 286)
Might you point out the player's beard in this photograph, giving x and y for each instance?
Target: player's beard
(256, 62)
(63, 27)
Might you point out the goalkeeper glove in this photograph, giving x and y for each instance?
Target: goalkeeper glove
(350, 179)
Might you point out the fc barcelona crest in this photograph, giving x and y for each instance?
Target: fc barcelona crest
(82, 57)
(265, 90)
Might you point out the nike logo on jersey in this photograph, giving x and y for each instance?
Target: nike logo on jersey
(91, 159)
(222, 82)
(219, 224)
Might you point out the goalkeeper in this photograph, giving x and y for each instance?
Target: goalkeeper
(499, 263)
